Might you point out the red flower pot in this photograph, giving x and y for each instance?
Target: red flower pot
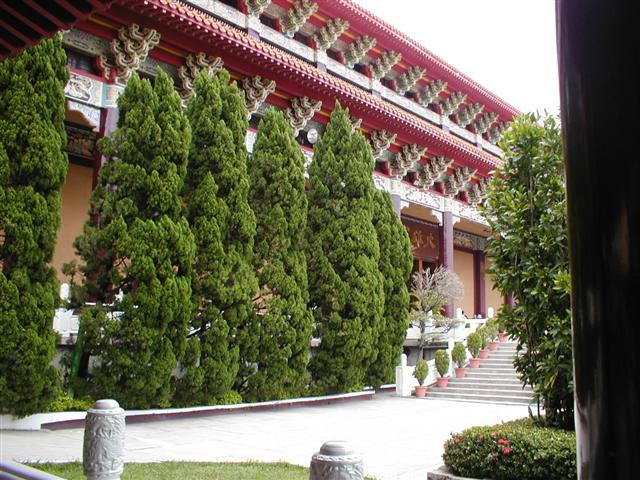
(484, 353)
(474, 362)
(493, 345)
(460, 372)
(442, 382)
(421, 391)
(502, 337)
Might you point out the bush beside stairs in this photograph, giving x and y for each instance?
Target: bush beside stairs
(495, 381)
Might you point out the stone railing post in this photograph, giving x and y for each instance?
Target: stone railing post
(336, 460)
(103, 450)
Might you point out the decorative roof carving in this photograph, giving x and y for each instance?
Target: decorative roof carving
(129, 50)
(409, 78)
(457, 180)
(194, 65)
(355, 123)
(483, 122)
(329, 33)
(256, 7)
(495, 133)
(406, 159)
(477, 191)
(380, 141)
(466, 114)
(256, 90)
(358, 49)
(430, 93)
(449, 104)
(300, 111)
(385, 62)
(431, 172)
(297, 16)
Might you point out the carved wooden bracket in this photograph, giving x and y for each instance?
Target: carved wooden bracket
(355, 123)
(380, 141)
(329, 33)
(300, 111)
(457, 180)
(430, 93)
(482, 124)
(256, 90)
(256, 7)
(385, 62)
(477, 191)
(467, 114)
(408, 79)
(406, 159)
(495, 133)
(358, 49)
(431, 172)
(297, 16)
(449, 104)
(129, 50)
(194, 65)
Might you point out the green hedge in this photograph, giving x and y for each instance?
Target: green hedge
(517, 449)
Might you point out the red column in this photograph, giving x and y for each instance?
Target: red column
(479, 297)
(445, 258)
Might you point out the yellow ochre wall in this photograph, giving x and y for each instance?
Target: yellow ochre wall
(75, 208)
(463, 266)
(493, 297)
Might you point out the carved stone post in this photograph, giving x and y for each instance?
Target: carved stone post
(336, 460)
(103, 450)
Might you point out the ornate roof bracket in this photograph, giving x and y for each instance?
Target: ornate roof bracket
(457, 180)
(406, 159)
(297, 16)
(129, 50)
(256, 7)
(467, 114)
(431, 172)
(495, 133)
(385, 62)
(300, 111)
(256, 90)
(329, 33)
(449, 104)
(430, 93)
(355, 123)
(358, 49)
(478, 191)
(482, 124)
(380, 141)
(194, 65)
(408, 79)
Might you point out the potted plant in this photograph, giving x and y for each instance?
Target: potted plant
(474, 344)
(459, 356)
(492, 330)
(502, 334)
(421, 371)
(484, 338)
(442, 366)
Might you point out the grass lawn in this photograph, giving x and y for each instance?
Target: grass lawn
(189, 471)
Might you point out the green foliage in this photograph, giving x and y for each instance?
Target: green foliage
(279, 201)
(230, 397)
(491, 329)
(65, 403)
(345, 285)
(459, 354)
(484, 334)
(33, 166)
(442, 362)
(140, 246)
(518, 449)
(421, 371)
(526, 210)
(474, 344)
(395, 266)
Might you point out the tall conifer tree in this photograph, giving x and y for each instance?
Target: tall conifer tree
(278, 199)
(395, 265)
(345, 284)
(33, 167)
(140, 246)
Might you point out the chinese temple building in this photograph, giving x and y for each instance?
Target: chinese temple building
(432, 129)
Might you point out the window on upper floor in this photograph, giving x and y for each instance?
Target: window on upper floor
(82, 61)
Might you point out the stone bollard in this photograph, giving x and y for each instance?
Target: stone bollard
(336, 460)
(103, 451)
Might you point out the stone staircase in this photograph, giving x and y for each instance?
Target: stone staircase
(495, 381)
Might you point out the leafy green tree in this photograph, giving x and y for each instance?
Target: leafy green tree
(279, 201)
(33, 167)
(395, 265)
(140, 246)
(526, 210)
(345, 285)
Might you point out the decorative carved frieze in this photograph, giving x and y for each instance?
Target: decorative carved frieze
(385, 62)
(464, 240)
(483, 122)
(406, 159)
(256, 90)
(81, 141)
(358, 49)
(477, 191)
(297, 16)
(300, 111)
(494, 134)
(430, 93)
(408, 79)
(329, 33)
(380, 141)
(449, 104)
(256, 7)
(355, 123)
(431, 172)
(457, 180)
(194, 65)
(466, 114)
(129, 50)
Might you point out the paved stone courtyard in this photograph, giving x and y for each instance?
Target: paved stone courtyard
(399, 438)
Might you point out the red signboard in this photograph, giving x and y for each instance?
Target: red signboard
(424, 238)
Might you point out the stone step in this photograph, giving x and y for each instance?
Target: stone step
(497, 361)
(519, 399)
(461, 382)
(486, 373)
(494, 392)
(497, 370)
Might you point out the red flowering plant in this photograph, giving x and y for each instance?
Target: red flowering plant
(518, 449)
